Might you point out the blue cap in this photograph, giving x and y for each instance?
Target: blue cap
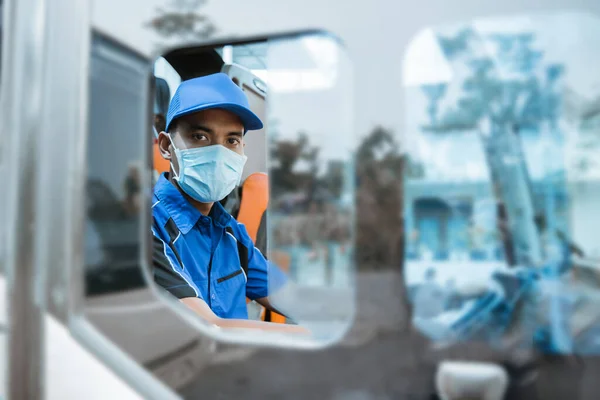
(212, 91)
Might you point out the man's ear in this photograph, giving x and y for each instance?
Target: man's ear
(164, 145)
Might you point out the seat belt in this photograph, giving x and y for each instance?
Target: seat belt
(243, 253)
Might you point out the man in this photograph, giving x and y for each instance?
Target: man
(199, 249)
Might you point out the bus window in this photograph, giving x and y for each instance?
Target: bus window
(2, 207)
(311, 168)
(295, 189)
(1, 31)
(117, 122)
(1, 35)
(500, 215)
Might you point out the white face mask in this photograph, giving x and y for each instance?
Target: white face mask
(208, 174)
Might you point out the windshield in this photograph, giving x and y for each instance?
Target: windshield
(502, 180)
(488, 180)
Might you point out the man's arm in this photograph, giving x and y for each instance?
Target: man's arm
(202, 309)
(170, 276)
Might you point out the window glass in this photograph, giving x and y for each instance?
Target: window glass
(2, 206)
(1, 30)
(311, 152)
(500, 207)
(117, 123)
(295, 195)
(164, 70)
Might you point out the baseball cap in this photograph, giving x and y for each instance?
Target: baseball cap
(212, 91)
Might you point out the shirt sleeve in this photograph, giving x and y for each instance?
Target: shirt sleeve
(264, 277)
(168, 272)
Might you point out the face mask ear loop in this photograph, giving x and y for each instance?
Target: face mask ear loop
(170, 161)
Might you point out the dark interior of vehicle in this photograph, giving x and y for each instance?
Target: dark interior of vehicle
(194, 62)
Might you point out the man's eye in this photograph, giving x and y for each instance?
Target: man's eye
(199, 136)
(233, 141)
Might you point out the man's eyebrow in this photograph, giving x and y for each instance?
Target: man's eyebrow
(235, 133)
(198, 127)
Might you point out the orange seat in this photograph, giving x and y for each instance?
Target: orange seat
(255, 200)
(160, 164)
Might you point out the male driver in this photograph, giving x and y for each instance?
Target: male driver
(197, 244)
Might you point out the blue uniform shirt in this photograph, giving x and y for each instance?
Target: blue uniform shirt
(197, 256)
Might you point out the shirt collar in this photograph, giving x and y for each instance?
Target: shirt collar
(183, 213)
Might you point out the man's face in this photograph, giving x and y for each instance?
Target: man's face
(201, 129)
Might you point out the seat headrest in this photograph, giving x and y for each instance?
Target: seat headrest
(254, 202)
(162, 96)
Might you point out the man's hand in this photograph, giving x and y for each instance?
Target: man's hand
(200, 307)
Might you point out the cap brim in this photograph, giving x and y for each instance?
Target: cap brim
(250, 120)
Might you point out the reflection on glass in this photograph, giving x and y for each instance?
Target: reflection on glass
(311, 178)
(2, 207)
(2, 232)
(1, 29)
(117, 112)
(498, 226)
